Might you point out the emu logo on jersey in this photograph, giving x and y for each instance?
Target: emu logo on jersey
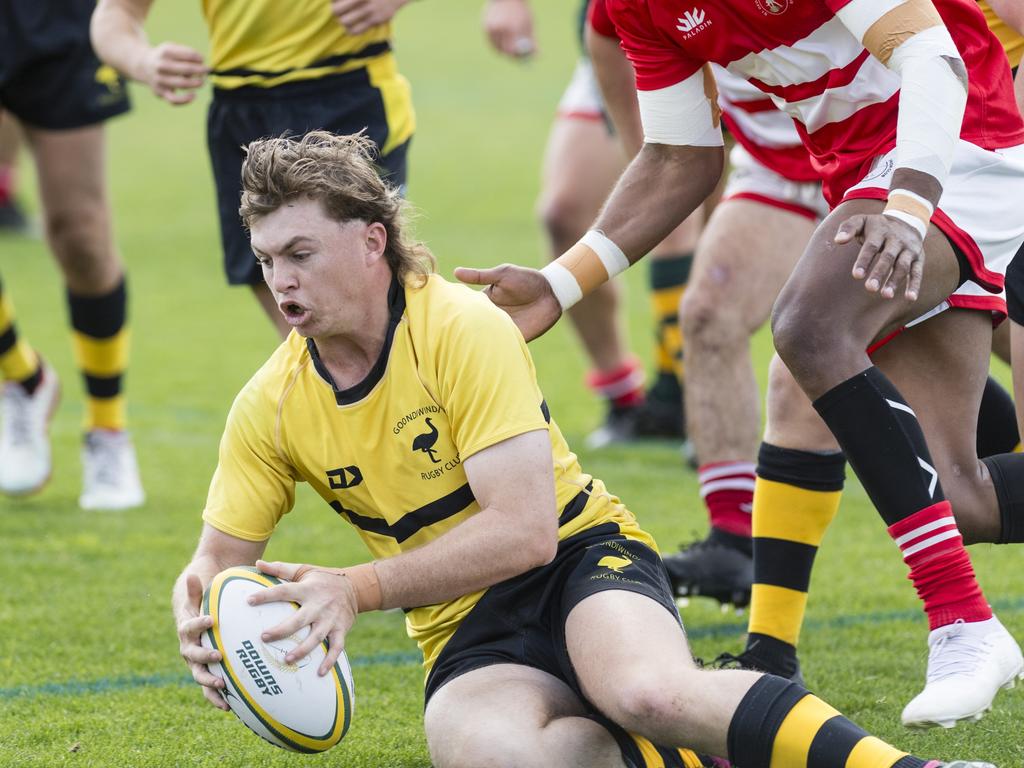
(693, 22)
(614, 563)
(773, 7)
(425, 442)
(344, 477)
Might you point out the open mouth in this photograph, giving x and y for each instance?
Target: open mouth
(293, 312)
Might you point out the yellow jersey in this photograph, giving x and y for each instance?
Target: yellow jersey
(454, 378)
(1013, 42)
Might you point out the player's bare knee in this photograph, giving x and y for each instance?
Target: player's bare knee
(969, 491)
(82, 246)
(653, 706)
(708, 321)
(564, 219)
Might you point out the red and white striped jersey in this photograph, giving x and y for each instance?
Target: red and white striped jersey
(844, 100)
(767, 133)
(752, 118)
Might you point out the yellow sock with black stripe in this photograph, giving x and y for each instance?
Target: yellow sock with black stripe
(639, 752)
(778, 724)
(668, 278)
(100, 340)
(18, 361)
(796, 496)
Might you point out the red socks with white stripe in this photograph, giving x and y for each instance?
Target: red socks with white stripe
(939, 566)
(623, 387)
(727, 488)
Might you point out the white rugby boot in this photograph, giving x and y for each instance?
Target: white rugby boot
(967, 665)
(25, 460)
(959, 764)
(110, 472)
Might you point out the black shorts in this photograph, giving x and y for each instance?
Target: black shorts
(1015, 288)
(522, 620)
(343, 104)
(49, 76)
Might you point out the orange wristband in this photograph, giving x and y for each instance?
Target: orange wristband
(363, 578)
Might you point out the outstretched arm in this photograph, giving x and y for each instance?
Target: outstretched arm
(172, 71)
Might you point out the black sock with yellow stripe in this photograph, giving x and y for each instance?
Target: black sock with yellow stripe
(796, 496)
(638, 752)
(100, 342)
(778, 724)
(18, 361)
(668, 277)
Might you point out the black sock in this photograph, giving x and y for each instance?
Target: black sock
(1007, 471)
(884, 444)
(997, 421)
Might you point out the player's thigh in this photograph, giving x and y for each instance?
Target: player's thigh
(745, 255)
(822, 305)
(940, 367)
(71, 169)
(582, 161)
(495, 715)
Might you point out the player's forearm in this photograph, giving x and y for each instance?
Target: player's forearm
(118, 36)
(489, 547)
(1010, 11)
(661, 187)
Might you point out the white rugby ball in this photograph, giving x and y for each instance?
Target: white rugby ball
(289, 705)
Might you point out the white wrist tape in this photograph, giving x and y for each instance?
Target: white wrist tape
(912, 199)
(595, 259)
(563, 284)
(908, 218)
(611, 255)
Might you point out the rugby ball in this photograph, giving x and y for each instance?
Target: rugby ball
(289, 705)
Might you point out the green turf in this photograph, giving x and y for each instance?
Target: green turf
(89, 669)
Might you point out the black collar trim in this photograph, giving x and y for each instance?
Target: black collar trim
(355, 393)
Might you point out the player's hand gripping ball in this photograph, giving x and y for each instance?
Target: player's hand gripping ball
(289, 705)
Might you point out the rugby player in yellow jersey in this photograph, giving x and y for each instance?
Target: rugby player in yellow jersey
(411, 405)
(275, 67)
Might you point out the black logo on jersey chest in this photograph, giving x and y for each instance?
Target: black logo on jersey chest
(344, 477)
(425, 442)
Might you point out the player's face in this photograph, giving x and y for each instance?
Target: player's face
(320, 271)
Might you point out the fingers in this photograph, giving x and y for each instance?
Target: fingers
(286, 628)
(182, 53)
(335, 645)
(194, 590)
(850, 229)
(914, 282)
(882, 266)
(472, 276)
(216, 699)
(900, 271)
(866, 255)
(313, 639)
(278, 569)
(282, 593)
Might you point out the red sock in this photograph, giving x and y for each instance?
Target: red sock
(6, 184)
(727, 488)
(940, 567)
(622, 386)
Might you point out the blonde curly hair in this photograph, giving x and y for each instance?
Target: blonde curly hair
(338, 171)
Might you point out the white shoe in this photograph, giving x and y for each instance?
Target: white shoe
(967, 665)
(110, 473)
(25, 460)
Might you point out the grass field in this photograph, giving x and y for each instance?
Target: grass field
(89, 669)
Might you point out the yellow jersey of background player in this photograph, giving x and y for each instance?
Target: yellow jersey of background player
(454, 378)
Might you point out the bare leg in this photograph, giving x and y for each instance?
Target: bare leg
(514, 716)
